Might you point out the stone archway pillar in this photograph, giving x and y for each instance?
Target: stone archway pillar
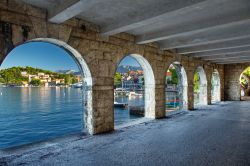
(160, 101)
(190, 96)
(215, 86)
(209, 72)
(203, 89)
(101, 118)
(209, 93)
(150, 101)
(190, 88)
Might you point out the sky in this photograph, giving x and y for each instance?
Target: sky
(47, 56)
(129, 61)
(40, 55)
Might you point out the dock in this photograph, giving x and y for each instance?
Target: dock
(120, 105)
(137, 110)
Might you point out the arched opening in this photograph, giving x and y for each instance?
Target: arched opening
(215, 91)
(245, 84)
(176, 87)
(134, 89)
(200, 87)
(46, 88)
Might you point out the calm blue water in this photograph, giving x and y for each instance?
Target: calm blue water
(122, 114)
(34, 114)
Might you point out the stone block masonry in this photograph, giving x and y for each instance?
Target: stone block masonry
(102, 55)
(232, 74)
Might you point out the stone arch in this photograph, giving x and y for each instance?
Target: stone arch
(244, 88)
(85, 71)
(242, 69)
(231, 85)
(216, 87)
(182, 85)
(202, 98)
(149, 84)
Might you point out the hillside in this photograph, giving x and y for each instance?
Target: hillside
(14, 75)
(125, 69)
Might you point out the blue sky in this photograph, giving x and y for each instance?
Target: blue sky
(41, 55)
(128, 60)
(46, 56)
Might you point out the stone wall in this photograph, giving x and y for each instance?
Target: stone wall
(102, 55)
(232, 76)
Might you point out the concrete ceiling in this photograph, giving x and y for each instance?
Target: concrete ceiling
(214, 30)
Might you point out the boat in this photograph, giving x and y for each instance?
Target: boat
(134, 94)
(121, 92)
(77, 85)
(120, 105)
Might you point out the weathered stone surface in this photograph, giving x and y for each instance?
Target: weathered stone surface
(53, 30)
(35, 12)
(40, 27)
(17, 34)
(3, 4)
(64, 33)
(14, 18)
(17, 6)
(231, 76)
(103, 55)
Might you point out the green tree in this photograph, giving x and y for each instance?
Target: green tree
(117, 79)
(174, 77)
(13, 75)
(67, 79)
(196, 81)
(35, 82)
(74, 80)
(245, 80)
(2, 80)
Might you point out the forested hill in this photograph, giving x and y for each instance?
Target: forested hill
(13, 75)
(126, 69)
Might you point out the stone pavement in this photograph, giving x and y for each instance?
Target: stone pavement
(215, 135)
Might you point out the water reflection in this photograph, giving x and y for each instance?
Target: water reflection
(122, 115)
(33, 114)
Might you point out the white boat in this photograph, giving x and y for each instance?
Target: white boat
(77, 85)
(134, 94)
(122, 105)
(120, 92)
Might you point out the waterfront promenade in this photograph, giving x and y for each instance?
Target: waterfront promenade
(216, 135)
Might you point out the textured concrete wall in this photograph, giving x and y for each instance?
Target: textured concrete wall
(102, 55)
(232, 76)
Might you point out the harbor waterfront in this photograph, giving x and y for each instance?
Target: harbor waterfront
(32, 114)
(124, 83)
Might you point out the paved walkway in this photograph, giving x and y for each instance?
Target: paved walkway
(218, 135)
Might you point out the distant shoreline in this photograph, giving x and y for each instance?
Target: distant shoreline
(36, 87)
